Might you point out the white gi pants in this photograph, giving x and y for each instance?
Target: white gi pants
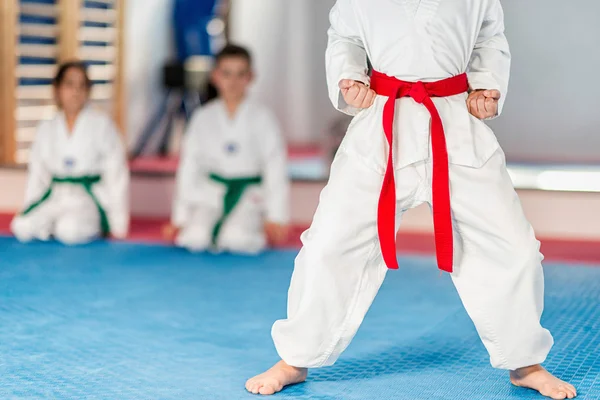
(498, 271)
(242, 232)
(69, 215)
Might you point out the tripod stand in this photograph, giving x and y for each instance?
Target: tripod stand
(187, 88)
(158, 132)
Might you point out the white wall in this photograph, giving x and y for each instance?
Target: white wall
(552, 112)
(149, 43)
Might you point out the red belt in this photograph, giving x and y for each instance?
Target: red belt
(386, 214)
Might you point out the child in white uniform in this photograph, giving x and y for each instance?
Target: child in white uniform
(440, 67)
(232, 183)
(77, 188)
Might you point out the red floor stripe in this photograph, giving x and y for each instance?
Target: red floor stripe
(150, 230)
(5, 223)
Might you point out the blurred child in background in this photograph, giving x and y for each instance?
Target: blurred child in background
(232, 184)
(77, 189)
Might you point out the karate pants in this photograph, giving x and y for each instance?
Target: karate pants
(497, 265)
(69, 216)
(242, 232)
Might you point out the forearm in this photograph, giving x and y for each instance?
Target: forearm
(489, 67)
(346, 57)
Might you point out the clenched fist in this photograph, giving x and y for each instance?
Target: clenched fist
(483, 104)
(357, 94)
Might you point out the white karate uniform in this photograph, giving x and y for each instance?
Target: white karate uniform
(497, 263)
(70, 214)
(248, 145)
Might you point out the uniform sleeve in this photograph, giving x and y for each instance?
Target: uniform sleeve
(489, 67)
(189, 169)
(115, 178)
(276, 182)
(39, 176)
(346, 57)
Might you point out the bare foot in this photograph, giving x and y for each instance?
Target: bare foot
(537, 378)
(275, 379)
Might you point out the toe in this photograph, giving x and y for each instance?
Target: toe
(250, 385)
(253, 387)
(559, 395)
(567, 390)
(267, 390)
(256, 389)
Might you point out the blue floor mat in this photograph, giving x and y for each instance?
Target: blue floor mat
(122, 321)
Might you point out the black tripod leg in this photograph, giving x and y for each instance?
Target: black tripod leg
(150, 129)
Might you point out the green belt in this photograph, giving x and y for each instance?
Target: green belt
(235, 188)
(86, 182)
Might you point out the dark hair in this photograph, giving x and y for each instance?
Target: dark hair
(232, 50)
(62, 71)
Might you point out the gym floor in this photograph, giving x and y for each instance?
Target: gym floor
(146, 321)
